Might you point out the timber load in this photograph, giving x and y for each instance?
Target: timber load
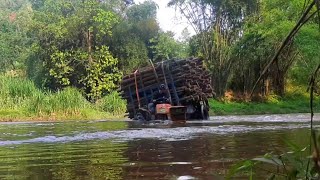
(187, 81)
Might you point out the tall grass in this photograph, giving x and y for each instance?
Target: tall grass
(68, 101)
(295, 101)
(15, 91)
(20, 98)
(112, 103)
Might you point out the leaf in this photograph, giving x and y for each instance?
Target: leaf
(243, 166)
(293, 146)
(273, 160)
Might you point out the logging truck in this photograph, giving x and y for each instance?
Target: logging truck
(188, 85)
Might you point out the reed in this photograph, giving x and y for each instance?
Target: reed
(295, 101)
(15, 91)
(67, 101)
(20, 99)
(112, 103)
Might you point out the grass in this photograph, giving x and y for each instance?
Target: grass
(296, 100)
(112, 103)
(21, 100)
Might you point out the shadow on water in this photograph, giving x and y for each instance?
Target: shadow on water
(131, 150)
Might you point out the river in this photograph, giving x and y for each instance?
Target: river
(130, 150)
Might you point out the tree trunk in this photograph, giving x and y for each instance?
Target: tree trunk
(89, 43)
(220, 81)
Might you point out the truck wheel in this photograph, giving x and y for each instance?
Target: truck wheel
(204, 112)
(140, 117)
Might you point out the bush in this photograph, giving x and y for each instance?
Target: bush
(15, 91)
(113, 104)
(68, 101)
(20, 99)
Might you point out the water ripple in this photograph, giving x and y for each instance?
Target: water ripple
(168, 134)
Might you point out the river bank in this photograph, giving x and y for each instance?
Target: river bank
(217, 108)
(298, 103)
(127, 150)
(85, 115)
(21, 100)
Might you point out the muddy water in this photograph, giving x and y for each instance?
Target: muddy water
(129, 150)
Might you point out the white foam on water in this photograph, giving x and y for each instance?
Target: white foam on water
(301, 117)
(187, 177)
(167, 134)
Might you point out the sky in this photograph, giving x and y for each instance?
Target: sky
(169, 19)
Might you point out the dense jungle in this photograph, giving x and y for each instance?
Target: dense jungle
(62, 115)
(65, 59)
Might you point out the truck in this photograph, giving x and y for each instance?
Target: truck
(187, 82)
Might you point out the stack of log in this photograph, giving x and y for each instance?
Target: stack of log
(187, 80)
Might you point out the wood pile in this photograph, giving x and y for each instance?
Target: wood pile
(187, 80)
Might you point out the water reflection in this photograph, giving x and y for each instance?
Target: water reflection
(206, 157)
(97, 160)
(125, 150)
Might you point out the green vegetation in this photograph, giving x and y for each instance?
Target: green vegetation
(22, 100)
(238, 38)
(292, 102)
(289, 165)
(113, 104)
(83, 48)
(282, 106)
(63, 59)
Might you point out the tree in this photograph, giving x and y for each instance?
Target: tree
(263, 35)
(71, 47)
(219, 25)
(131, 51)
(143, 21)
(14, 43)
(130, 42)
(166, 47)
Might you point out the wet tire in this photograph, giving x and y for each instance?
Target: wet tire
(204, 112)
(139, 117)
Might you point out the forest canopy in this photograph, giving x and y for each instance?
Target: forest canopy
(91, 44)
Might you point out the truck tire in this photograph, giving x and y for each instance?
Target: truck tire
(204, 112)
(139, 117)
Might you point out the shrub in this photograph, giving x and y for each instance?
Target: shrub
(113, 104)
(68, 101)
(15, 91)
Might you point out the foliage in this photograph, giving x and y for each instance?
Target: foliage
(70, 47)
(67, 101)
(308, 44)
(195, 46)
(113, 103)
(101, 74)
(129, 48)
(166, 47)
(141, 12)
(294, 164)
(218, 25)
(142, 18)
(88, 45)
(15, 91)
(130, 42)
(295, 101)
(14, 42)
(21, 99)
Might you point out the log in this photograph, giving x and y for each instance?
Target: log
(190, 78)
